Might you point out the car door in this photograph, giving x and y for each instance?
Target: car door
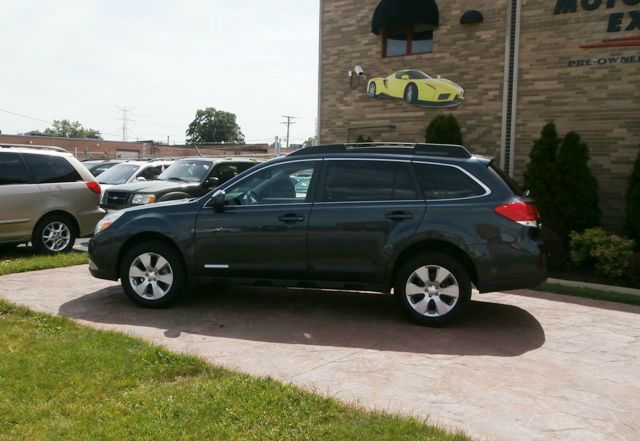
(20, 199)
(262, 231)
(363, 210)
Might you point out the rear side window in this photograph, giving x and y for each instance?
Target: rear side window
(443, 182)
(362, 181)
(12, 170)
(51, 169)
(151, 173)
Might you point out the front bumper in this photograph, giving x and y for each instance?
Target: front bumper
(101, 274)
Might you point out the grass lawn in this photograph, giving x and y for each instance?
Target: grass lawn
(62, 381)
(19, 260)
(590, 293)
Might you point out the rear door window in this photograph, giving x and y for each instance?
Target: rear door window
(51, 169)
(367, 181)
(12, 170)
(446, 182)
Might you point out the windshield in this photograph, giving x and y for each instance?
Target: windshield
(118, 174)
(190, 170)
(417, 75)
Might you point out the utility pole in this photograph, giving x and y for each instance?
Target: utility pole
(125, 121)
(288, 123)
(276, 147)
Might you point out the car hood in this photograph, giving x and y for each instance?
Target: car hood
(153, 186)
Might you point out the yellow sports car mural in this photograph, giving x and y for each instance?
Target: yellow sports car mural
(416, 87)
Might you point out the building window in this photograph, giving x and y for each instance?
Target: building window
(416, 39)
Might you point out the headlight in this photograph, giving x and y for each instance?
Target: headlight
(107, 221)
(143, 199)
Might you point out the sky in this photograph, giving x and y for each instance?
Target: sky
(81, 59)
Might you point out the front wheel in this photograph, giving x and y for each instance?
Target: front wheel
(411, 94)
(433, 288)
(152, 274)
(372, 90)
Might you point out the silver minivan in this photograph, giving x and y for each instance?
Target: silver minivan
(47, 197)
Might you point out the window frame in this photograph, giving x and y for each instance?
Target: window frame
(469, 174)
(409, 33)
(323, 179)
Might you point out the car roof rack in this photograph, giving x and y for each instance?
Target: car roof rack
(39, 147)
(441, 150)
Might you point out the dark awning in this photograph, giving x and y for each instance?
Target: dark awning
(398, 13)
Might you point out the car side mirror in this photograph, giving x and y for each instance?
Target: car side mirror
(405, 77)
(140, 179)
(212, 182)
(217, 200)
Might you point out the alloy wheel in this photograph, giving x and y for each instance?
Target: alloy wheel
(151, 276)
(432, 291)
(56, 236)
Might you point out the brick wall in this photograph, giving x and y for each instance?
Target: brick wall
(602, 103)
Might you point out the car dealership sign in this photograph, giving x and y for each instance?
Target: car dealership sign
(618, 21)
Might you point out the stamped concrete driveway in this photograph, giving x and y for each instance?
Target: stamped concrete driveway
(519, 366)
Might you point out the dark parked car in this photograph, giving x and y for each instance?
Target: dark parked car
(427, 222)
(186, 178)
(98, 167)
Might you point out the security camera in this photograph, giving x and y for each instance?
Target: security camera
(359, 70)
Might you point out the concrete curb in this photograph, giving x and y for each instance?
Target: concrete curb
(576, 284)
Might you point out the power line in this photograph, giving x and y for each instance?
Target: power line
(25, 116)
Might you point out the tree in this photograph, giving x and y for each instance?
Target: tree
(67, 129)
(541, 176)
(211, 125)
(632, 211)
(444, 130)
(310, 142)
(577, 193)
(361, 138)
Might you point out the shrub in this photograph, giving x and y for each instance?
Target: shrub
(607, 253)
(632, 211)
(541, 177)
(361, 138)
(555, 252)
(444, 130)
(634, 269)
(578, 188)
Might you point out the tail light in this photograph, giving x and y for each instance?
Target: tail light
(94, 187)
(520, 212)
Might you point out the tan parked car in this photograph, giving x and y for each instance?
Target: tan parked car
(47, 197)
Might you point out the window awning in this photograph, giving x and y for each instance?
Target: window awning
(398, 13)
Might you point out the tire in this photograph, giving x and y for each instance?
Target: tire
(371, 91)
(54, 234)
(411, 94)
(434, 301)
(152, 274)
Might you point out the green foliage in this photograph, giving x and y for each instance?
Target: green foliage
(608, 253)
(541, 177)
(577, 193)
(634, 269)
(310, 142)
(555, 251)
(444, 130)
(19, 260)
(589, 293)
(67, 129)
(361, 139)
(632, 211)
(211, 125)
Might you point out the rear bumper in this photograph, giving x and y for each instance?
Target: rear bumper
(87, 221)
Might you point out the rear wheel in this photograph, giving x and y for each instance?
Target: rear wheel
(372, 90)
(54, 234)
(433, 288)
(411, 94)
(152, 274)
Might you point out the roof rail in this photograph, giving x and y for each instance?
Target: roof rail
(30, 146)
(443, 150)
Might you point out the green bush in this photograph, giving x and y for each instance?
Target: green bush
(555, 252)
(578, 189)
(541, 177)
(634, 269)
(607, 253)
(632, 212)
(361, 139)
(444, 130)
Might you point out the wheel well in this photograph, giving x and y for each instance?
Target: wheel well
(69, 216)
(146, 237)
(435, 245)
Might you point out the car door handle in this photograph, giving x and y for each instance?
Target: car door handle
(290, 218)
(399, 216)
